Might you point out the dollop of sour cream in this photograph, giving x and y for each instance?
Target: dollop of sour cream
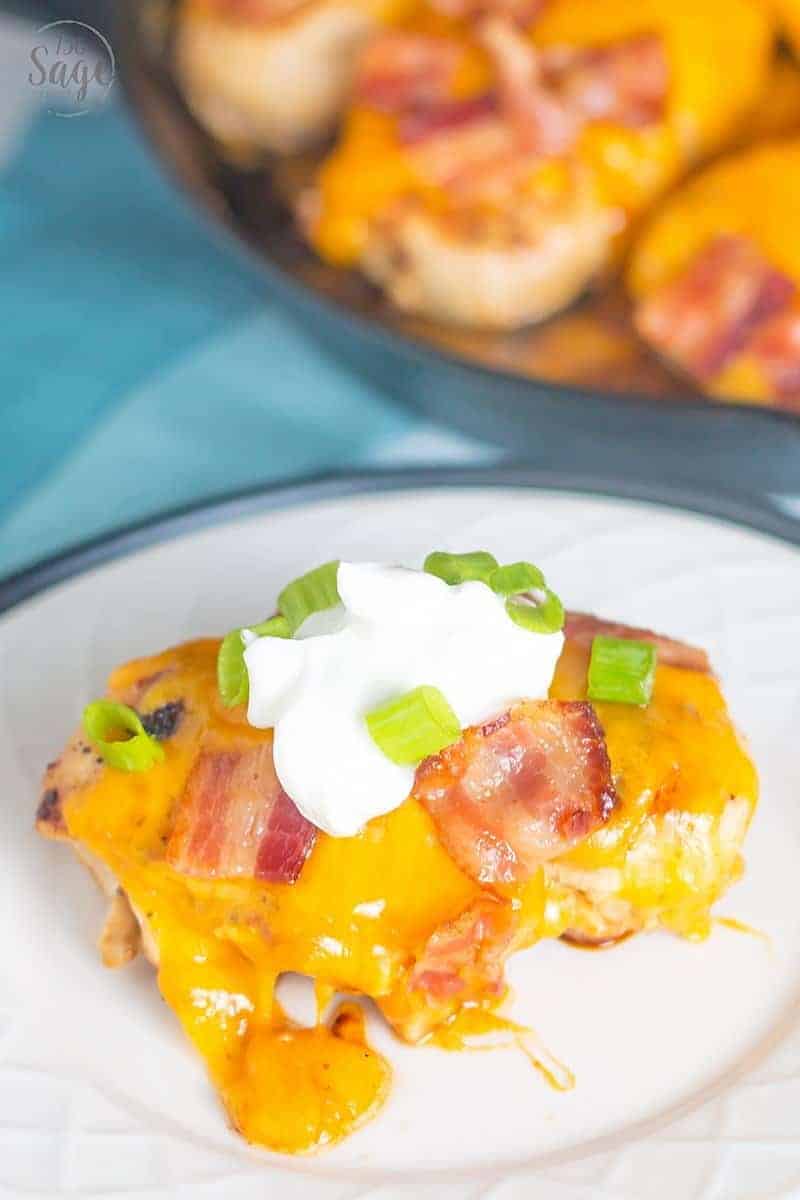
(395, 629)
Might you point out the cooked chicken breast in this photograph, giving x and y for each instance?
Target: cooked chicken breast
(486, 174)
(512, 277)
(555, 818)
(715, 277)
(267, 75)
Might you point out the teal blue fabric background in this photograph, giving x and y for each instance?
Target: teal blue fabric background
(142, 367)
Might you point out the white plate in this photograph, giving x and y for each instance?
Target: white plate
(687, 1057)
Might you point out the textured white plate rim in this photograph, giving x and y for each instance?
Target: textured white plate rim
(733, 507)
(732, 504)
(374, 1177)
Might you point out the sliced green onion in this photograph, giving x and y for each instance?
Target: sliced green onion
(274, 627)
(119, 735)
(313, 592)
(621, 670)
(232, 680)
(231, 673)
(547, 617)
(515, 578)
(414, 725)
(461, 568)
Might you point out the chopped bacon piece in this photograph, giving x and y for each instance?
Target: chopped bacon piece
(776, 345)
(407, 72)
(626, 82)
(549, 95)
(706, 315)
(484, 144)
(286, 844)
(584, 627)
(472, 159)
(542, 122)
(254, 12)
(520, 790)
(235, 819)
(422, 123)
(461, 960)
(466, 952)
(521, 12)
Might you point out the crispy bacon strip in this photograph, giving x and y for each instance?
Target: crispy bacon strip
(407, 72)
(776, 345)
(706, 315)
(423, 123)
(483, 145)
(462, 959)
(540, 104)
(521, 12)
(475, 160)
(626, 82)
(584, 627)
(541, 121)
(465, 953)
(520, 790)
(235, 818)
(550, 95)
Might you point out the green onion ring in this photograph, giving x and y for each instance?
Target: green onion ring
(106, 722)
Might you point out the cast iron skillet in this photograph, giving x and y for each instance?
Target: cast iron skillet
(513, 390)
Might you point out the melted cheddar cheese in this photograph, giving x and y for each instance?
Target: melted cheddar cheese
(718, 54)
(787, 13)
(364, 906)
(678, 765)
(753, 193)
(370, 169)
(777, 113)
(258, 14)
